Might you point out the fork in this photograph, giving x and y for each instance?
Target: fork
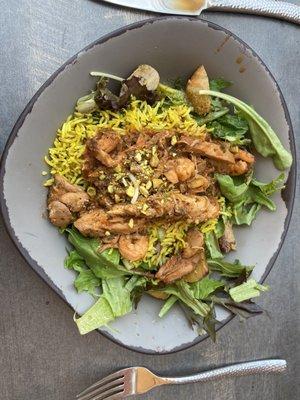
(138, 380)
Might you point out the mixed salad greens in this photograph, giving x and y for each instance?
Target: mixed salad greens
(118, 284)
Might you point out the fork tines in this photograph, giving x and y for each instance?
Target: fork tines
(110, 387)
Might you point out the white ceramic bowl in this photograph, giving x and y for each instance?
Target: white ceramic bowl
(175, 47)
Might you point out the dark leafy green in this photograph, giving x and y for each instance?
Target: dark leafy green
(228, 269)
(104, 98)
(133, 87)
(179, 83)
(211, 116)
(269, 188)
(244, 310)
(232, 128)
(219, 84)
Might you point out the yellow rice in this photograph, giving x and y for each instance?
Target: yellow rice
(65, 157)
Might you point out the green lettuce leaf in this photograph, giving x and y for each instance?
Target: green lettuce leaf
(167, 306)
(114, 302)
(175, 96)
(86, 279)
(228, 269)
(247, 291)
(263, 137)
(212, 245)
(269, 188)
(248, 196)
(74, 261)
(183, 292)
(205, 287)
(211, 116)
(245, 214)
(104, 265)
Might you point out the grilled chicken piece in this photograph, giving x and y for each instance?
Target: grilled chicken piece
(104, 140)
(243, 163)
(62, 186)
(214, 150)
(190, 265)
(244, 155)
(59, 214)
(194, 243)
(64, 198)
(177, 267)
(227, 241)
(177, 205)
(96, 223)
(179, 170)
(199, 81)
(102, 144)
(238, 168)
(75, 201)
(200, 271)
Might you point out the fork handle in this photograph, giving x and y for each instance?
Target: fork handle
(241, 369)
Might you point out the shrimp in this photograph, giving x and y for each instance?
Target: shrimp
(133, 247)
(179, 170)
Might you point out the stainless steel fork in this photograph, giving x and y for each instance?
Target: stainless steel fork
(138, 380)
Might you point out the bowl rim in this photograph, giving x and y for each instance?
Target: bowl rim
(291, 181)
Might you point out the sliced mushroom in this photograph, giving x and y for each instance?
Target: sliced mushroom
(199, 81)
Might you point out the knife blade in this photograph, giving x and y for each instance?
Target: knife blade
(269, 8)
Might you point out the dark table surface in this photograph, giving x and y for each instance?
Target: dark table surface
(42, 356)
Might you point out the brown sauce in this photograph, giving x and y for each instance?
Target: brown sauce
(222, 44)
(189, 5)
(239, 59)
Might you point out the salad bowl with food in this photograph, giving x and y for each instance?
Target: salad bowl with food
(158, 211)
